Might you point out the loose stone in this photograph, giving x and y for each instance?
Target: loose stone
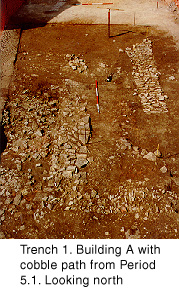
(163, 169)
(17, 199)
(150, 156)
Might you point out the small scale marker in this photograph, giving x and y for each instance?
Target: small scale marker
(97, 95)
(158, 150)
(109, 3)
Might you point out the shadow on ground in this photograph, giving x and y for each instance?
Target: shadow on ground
(3, 139)
(35, 13)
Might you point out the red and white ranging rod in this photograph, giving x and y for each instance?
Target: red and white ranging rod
(97, 95)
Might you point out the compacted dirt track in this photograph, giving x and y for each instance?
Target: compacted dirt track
(68, 171)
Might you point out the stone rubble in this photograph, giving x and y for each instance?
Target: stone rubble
(146, 77)
(76, 63)
(129, 199)
(47, 138)
(150, 156)
(124, 144)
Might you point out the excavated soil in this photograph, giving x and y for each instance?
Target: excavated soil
(68, 171)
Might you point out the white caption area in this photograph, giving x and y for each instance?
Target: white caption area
(90, 264)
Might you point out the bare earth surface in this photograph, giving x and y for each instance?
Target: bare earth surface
(68, 171)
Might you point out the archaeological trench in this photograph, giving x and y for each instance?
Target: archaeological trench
(68, 171)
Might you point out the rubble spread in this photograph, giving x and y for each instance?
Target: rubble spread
(48, 133)
(76, 63)
(47, 145)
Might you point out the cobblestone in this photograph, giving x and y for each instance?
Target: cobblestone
(146, 77)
